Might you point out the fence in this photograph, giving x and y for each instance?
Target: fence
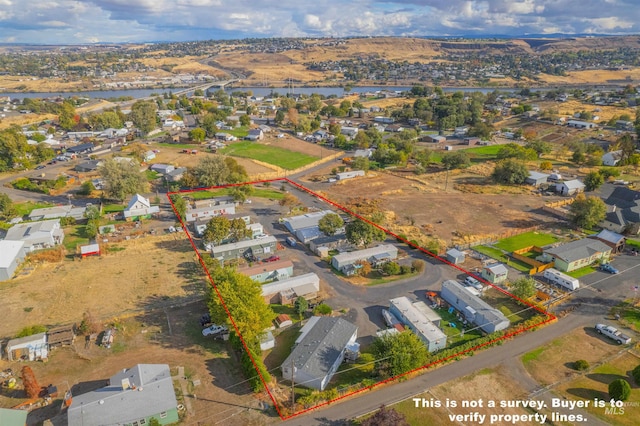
(279, 172)
(491, 239)
(537, 265)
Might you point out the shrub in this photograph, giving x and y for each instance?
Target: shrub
(619, 390)
(636, 374)
(405, 269)
(391, 268)
(581, 365)
(418, 265)
(322, 309)
(31, 330)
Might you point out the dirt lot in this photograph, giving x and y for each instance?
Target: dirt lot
(423, 206)
(144, 273)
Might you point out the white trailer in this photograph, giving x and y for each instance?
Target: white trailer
(563, 280)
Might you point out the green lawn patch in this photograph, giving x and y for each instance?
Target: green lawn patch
(629, 314)
(452, 327)
(152, 175)
(284, 343)
(269, 154)
(527, 239)
(273, 194)
(73, 237)
(112, 208)
(491, 252)
(633, 243)
(239, 132)
(352, 373)
(581, 272)
(532, 356)
(24, 209)
(181, 145)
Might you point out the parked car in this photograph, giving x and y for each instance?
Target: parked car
(613, 333)
(214, 330)
(205, 320)
(271, 259)
(40, 167)
(606, 267)
(472, 282)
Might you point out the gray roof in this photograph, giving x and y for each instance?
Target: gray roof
(497, 269)
(354, 256)
(302, 284)
(305, 220)
(245, 244)
(111, 404)
(537, 175)
(610, 236)
(9, 251)
(491, 314)
(321, 346)
(35, 232)
(574, 184)
(580, 249)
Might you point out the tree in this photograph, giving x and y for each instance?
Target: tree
(586, 212)
(211, 171)
(239, 230)
(243, 298)
(391, 268)
(510, 171)
(198, 134)
(330, 223)
(546, 165)
(289, 201)
(86, 188)
(7, 210)
(385, 416)
(636, 374)
(279, 117)
(301, 305)
(67, 118)
(539, 147)
(455, 160)
(581, 365)
(179, 204)
(154, 422)
(361, 233)
(361, 163)
(398, 353)
(29, 382)
(122, 178)
(523, 288)
(217, 229)
(619, 390)
(593, 180)
(245, 120)
(143, 115)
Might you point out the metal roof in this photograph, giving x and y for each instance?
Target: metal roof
(491, 314)
(580, 249)
(305, 220)
(300, 283)
(9, 251)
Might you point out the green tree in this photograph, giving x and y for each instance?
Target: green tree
(455, 160)
(122, 178)
(360, 233)
(91, 229)
(86, 188)
(143, 115)
(179, 204)
(7, 210)
(301, 305)
(581, 365)
(586, 212)
(539, 147)
(314, 103)
(154, 422)
(361, 163)
(67, 117)
(239, 230)
(399, 353)
(391, 268)
(279, 117)
(593, 180)
(212, 171)
(619, 390)
(208, 123)
(245, 120)
(636, 374)
(523, 288)
(330, 223)
(198, 134)
(385, 417)
(243, 299)
(217, 229)
(510, 171)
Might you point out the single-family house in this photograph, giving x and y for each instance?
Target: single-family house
(324, 243)
(473, 308)
(623, 209)
(139, 207)
(37, 235)
(80, 149)
(246, 249)
(162, 168)
(349, 132)
(319, 351)
(570, 187)
(175, 175)
(612, 239)
(286, 291)
(536, 178)
(578, 124)
(420, 319)
(209, 211)
(57, 212)
(271, 271)
(612, 158)
(384, 120)
(495, 273)
(11, 254)
(433, 139)
(31, 348)
(471, 141)
(374, 255)
(88, 166)
(255, 135)
(132, 396)
(577, 254)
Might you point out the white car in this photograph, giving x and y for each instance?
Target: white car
(472, 282)
(214, 330)
(613, 333)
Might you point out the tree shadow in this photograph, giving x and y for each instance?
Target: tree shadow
(585, 393)
(232, 379)
(178, 245)
(323, 421)
(51, 412)
(605, 378)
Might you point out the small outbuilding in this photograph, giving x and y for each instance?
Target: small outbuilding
(90, 250)
(495, 273)
(536, 178)
(455, 256)
(30, 348)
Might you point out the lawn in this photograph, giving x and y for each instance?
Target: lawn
(581, 272)
(481, 154)
(181, 145)
(152, 175)
(23, 209)
(284, 343)
(452, 328)
(74, 236)
(239, 132)
(633, 243)
(112, 208)
(630, 314)
(269, 154)
(272, 194)
(527, 239)
(501, 257)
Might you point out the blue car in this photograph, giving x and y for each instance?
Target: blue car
(606, 267)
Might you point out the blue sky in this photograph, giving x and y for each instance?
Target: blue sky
(88, 21)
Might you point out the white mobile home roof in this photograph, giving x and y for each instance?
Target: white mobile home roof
(305, 220)
(243, 244)
(418, 319)
(353, 256)
(306, 282)
(9, 251)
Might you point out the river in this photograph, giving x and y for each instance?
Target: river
(257, 91)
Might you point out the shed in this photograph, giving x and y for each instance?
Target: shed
(570, 187)
(612, 239)
(30, 347)
(267, 341)
(495, 273)
(536, 178)
(455, 256)
(90, 250)
(283, 320)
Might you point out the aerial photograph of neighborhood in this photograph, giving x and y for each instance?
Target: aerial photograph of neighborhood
(375, 213)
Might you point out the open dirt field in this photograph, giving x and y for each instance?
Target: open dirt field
(425, 206)
(572, 106)
(144, 273)
(594, 77)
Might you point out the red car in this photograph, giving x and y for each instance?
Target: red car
(271, 259)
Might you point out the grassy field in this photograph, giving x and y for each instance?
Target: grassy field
(23, 209)
(581, 272)
(257, 192)
(483, 153)
(269, 154)
(526, 240)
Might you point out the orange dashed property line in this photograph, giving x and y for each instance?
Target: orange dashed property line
(550, 317)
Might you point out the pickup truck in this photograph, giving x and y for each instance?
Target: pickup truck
(613, 333)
